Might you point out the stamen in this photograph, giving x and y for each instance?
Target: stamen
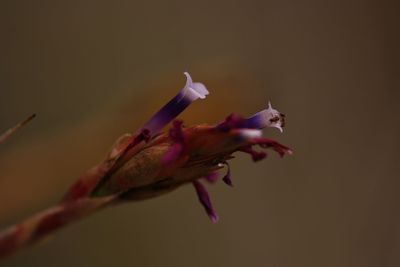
(176, 105)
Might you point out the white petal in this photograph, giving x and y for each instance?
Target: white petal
(194, 90)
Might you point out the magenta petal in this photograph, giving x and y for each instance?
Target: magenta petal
(267, 143)
(212, 177)
(204, 199)
(227, 178)
(176, 105)
(255, 155)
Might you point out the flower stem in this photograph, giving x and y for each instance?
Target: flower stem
(44, 223)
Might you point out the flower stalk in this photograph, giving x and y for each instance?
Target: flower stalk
(151, 163)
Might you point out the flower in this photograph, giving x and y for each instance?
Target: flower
(191, 92)
(268, 117)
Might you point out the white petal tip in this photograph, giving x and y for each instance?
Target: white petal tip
(195, 89)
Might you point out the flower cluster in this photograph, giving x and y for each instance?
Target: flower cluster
(150, 163)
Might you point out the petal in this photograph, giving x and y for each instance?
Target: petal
(201, 89)
(194, 89)
(212, 177)
(266, 118)
(227, 178)
(205, 200)
(191, 92)
(268, 143)
(255, 155)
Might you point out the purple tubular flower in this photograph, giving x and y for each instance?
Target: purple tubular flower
(191, 92)
(205, 200)
(266, 118)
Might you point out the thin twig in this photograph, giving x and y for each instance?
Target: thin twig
(12, 130)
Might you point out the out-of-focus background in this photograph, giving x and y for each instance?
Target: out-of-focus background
(93, 70)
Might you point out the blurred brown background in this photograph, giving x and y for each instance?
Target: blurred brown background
(93, 70)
